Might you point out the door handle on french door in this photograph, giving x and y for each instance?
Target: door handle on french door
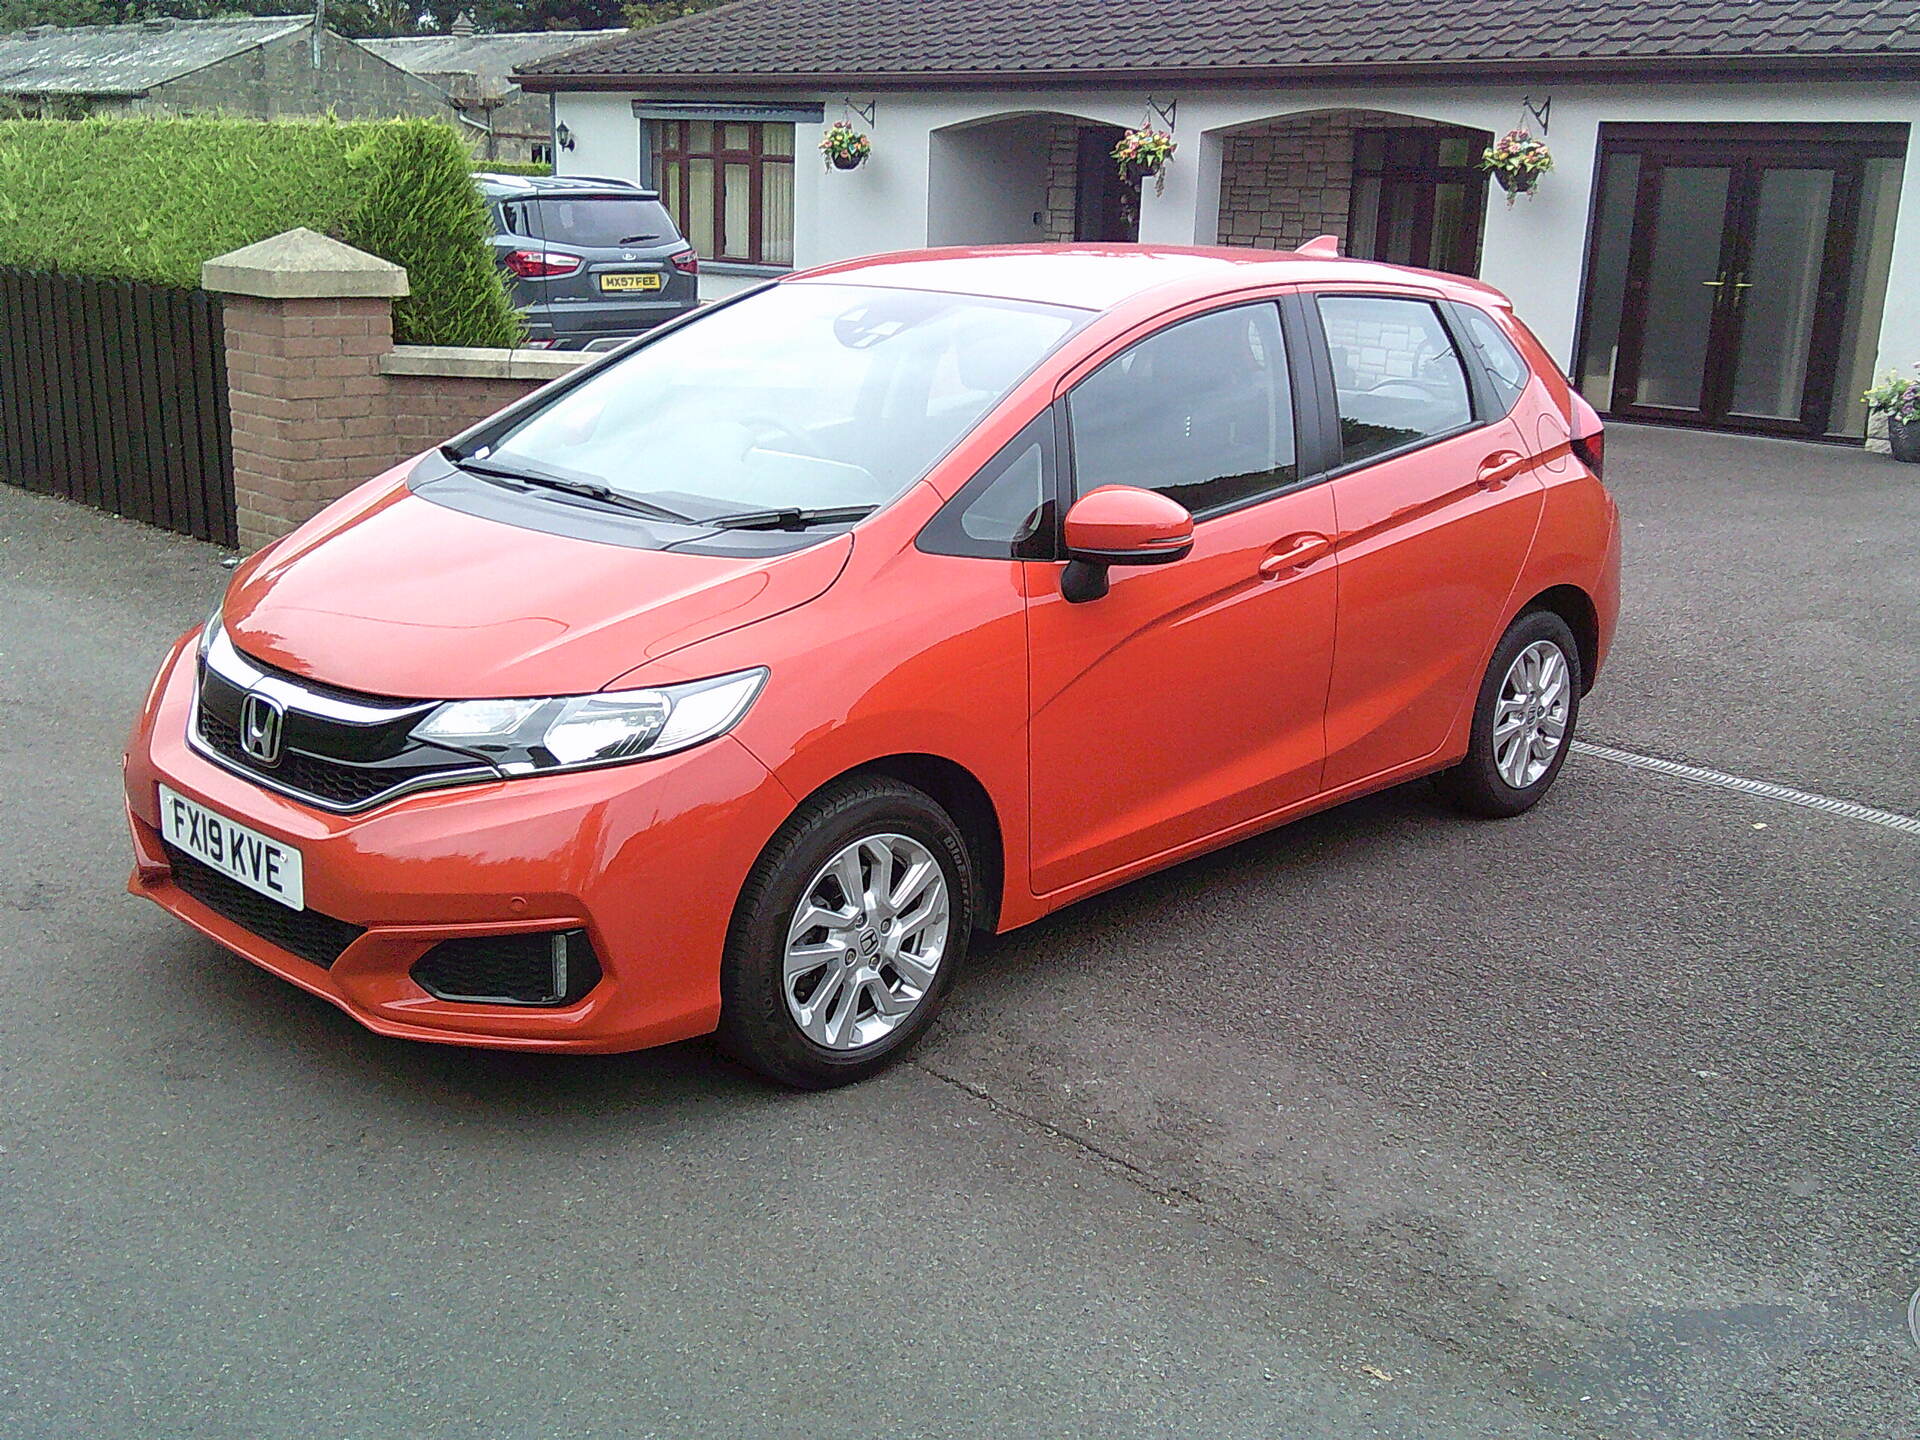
(1497, 469)
(1296, 552)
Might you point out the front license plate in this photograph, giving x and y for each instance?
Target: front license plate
(255, 860)
(630, 282)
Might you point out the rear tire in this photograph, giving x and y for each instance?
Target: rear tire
(1523, 720)
(846, 936)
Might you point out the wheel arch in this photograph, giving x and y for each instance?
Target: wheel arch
(1576, 607)
(959, 792)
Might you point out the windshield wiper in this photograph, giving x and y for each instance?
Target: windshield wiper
(636, 239)
(790, 519)
(585, 489)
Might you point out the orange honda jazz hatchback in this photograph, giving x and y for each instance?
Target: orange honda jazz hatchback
(734, 682)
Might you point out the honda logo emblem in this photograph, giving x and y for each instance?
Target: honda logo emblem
(262, 722)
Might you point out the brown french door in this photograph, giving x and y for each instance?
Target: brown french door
(1738, 261)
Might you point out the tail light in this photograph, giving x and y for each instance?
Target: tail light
(542, 264)
(687, 262)
(1589, 436)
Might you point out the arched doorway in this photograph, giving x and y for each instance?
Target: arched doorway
(1399, 188)
(1033, 176)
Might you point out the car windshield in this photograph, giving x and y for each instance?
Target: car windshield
(592, 221)
(803, 396)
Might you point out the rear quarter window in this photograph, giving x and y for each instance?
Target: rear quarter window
(1504, 364)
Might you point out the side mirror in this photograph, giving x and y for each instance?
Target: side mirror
(1120, 525)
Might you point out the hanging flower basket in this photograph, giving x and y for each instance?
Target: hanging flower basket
(845, 148)
(1516, 183)
(1142, 153)
(1517, 161)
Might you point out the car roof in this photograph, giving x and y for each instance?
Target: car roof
(509, 187)
(1104, 276)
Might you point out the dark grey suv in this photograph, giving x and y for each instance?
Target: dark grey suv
(589, 261)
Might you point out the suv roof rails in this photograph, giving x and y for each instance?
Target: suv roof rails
(562, 184)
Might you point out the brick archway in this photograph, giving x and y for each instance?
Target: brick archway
(1389, 186)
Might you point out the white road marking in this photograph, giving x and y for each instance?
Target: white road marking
(1765, 789)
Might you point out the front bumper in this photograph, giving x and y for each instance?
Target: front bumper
(647, 858)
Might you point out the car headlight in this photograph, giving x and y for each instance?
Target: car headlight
(573, 732)
(211, 628)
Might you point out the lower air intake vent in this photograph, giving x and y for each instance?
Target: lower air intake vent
(556, 967)
(306, 933)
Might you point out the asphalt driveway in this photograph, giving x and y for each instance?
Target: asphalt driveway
(1601, 1122)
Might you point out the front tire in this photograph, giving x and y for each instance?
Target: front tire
(846, 936)
(1523, 720)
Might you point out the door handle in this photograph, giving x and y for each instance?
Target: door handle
(1296, 552)
(1497, 470)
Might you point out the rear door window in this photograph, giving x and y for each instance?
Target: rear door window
(594, 222)
(1396, 376)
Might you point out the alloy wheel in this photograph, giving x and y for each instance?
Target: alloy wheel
(1530, 717)
(865, 942)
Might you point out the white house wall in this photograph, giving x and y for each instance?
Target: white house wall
(1534, 250)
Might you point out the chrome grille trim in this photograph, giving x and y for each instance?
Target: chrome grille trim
(237, 671)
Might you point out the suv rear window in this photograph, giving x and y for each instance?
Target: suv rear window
(591, 221)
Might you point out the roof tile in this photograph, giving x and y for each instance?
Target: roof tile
(998, 38)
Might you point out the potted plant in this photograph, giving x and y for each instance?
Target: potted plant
(1898, 398)
(1517, 160)
(1145, 152)
(845, 147)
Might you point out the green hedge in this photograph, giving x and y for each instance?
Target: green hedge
(150, 199)
(512, 167)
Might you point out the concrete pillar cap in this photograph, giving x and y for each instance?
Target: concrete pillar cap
(303, 264)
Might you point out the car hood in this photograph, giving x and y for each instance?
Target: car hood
(389, 594)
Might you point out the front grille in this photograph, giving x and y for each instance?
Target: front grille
(306, 933)
(335, 764)
(551, 968)
(338, 784)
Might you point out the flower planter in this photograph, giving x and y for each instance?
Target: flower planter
(1143, 154)
(1515, 183)
(1903, 439)
(844, 147)
(1517, 161)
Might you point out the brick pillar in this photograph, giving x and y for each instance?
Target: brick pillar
(307, 321)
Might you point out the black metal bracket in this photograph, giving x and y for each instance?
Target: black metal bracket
(865, 112)
(1167, 113)
(1541, 113)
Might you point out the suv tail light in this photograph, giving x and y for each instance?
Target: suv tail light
(687, 262)
(542, 264)
(1589, 436)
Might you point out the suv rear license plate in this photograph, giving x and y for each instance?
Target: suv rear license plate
(256, 861)
(630, 282)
